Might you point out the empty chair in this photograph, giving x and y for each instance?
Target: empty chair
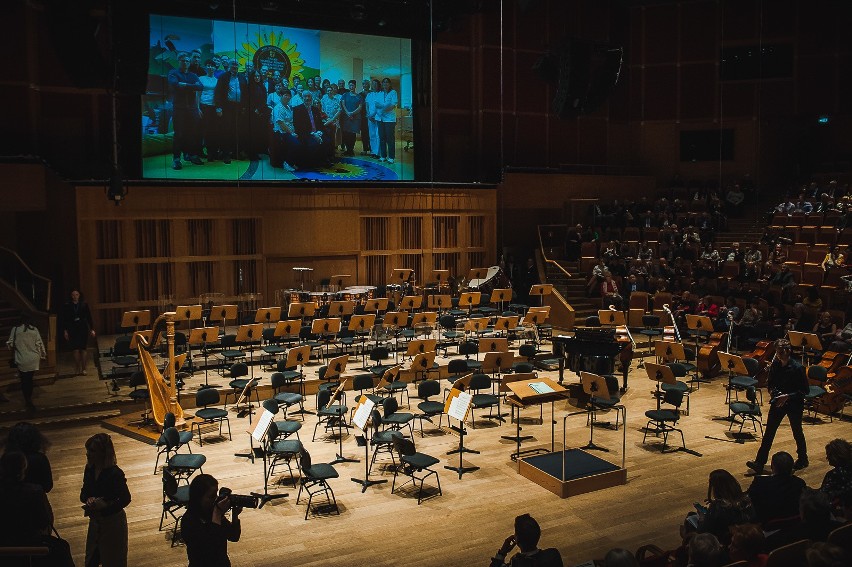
(449, 333)
(391, 384)
(140, 395)
(416, 466)
(456, 369)
(329, 414)
(283, 428)
(314, 480)
(238, 383)
(679, 370)
(738, 384)
(429, 408)
(184, 437)
(480, 387)
(381, 440)
(748, 410)
(664, 420)
(468, 348)
(651, 330)
(394, 419)
(281, 450)
(204, 398)
(529, 352)
(817, 374)
(286, 399)
(378, 355)
(175, 498)
(181, 465)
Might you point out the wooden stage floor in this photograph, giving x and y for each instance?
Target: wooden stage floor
(465, 525)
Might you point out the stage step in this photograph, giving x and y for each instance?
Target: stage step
(55, 421)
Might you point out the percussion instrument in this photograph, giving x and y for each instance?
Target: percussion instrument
(494, 278)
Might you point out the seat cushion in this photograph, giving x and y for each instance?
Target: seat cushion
(740, 408)
(430, 408)
(124, 360)
(181, 495)
(419, 460)
(398, 418)
(662, 415)
(274, 349)
(333, 411)
(743, 382)
(604, 402)
(288, 446)
(383, 437)
(233, 353)
(321, 471)
(187, 461)
(650, 332)
(185, 437)
(483, 400)
(288, 426)
(814, 392)
(140, 395)
(291, 374)
(677, 386)
(473, 364)
(288, 398)
(211, 413)
(238, 384)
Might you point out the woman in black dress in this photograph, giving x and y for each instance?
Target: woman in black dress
(104, 496)
(77, 326)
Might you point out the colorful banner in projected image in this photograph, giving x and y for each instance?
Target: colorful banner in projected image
(290, 51)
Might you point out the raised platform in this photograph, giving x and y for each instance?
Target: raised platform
(584, 472)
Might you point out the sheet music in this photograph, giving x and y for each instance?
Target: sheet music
(459, 406)
(541, 388)
(362, 414)
(262, 425)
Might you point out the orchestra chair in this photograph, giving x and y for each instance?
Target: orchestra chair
(314, 480)
(381, 440)
(456, 369)
(529, 352)
(332, 374)
(790, 555)
(679, 371)
(468, 348)
(740, 383)
(816, 375)
(285, 399)
(378, 355)
(365, 385)
(842, 537)
(416, 466)
(451, 336)
(204, 398)
(122, 356)
(293, 367)
(281, 450)
(309, 339)
(482, 383)
(140, 395)
(181, 465)
(329, 414)
(394, 419)
(429, 409)
(391, 384)
(285, 427)
(651, 330)
(749, 410)
(163, 448)
(229, 352)
(238, 383)
(175, 498)
(665, 420)
(604, 401)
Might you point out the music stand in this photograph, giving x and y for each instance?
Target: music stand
(225, 313)
(136, 319)
(506, 324)
(327, 330)
(425, 320)
(534, 317)
(339, 279)
(188, 313)
(363, 411)
(419, 346)
(505, 380)
(661, 374)
(441, 276)
(302, 310)
(439, 302)
(246, 335)
(476, 325)
(477, 273)
(377, 304)
(260, 434)
(362, 326)
(669, 351)
(298, 357)
(595, 386)
(339, 458)
(493, 344)
(608, 318)
(411, 302)
(697, 326)
(341, 309)
(538, 390)
(733, 364)
(267, 315)
(245, 397)
(303, 273)
(497, 362)
(457, 405)
(805, 341)
(395, 321)
(501, 296)
(288, 330)
(541, 290)
(201, 336)
(470, 299)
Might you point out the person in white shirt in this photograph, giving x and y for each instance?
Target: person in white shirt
(209, 120)
(28, 348)
(386, 119)
(371, 102)
(284, 140)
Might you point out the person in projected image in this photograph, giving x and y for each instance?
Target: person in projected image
(307, 122)
(259, 117)
(371, 104)
(330, 106)
(298, 90)
(284, 141)
(364, 126)
(386, 119)
(315, 89)
(183, 87)
(350, 117)
(209, 120)
(230, 99)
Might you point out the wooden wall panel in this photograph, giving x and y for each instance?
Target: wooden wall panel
(698, 91)
(698, 31)
(660, 102)
(661, 32)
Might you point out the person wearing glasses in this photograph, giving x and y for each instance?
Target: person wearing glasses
(787, 386)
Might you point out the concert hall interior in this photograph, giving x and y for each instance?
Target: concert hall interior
(515, 257)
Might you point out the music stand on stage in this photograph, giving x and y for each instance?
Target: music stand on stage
(470, 299)
(188, 313)
(541, 290)
(539, 390)
(506, 324)
(225, 313)
(201, 336)
(608, 318)
(439, 302)
(362, 326)
(669, 351)
(267, 315)
(501, 296)
(411, 302)
(394, 322)
(341, 308)
(363, 411)
(442, 277)
(595, 386)
(260, 434)
(339, 458)
(303, 275)
(339, 279)
(425, 320)
(302, 310)
(246, 334)
(477, 273)
(377, 304)
(699, 326)
(505, 380)
(477, 325)
(400, 276)
(806, 341)
(735, 366)
(661, 374)
(534, 317)
(136, 319)
(326, 330)
(245, 397)
(457, 405)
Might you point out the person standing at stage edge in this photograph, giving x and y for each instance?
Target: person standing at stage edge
(75, 320)
(787, 386)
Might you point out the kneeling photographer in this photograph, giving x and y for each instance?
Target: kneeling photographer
(205, 529)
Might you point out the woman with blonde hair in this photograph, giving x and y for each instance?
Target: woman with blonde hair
(104, 496)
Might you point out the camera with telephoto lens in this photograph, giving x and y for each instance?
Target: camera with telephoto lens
(238, 500)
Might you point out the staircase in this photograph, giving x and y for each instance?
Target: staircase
(573, 289)
(740, 230)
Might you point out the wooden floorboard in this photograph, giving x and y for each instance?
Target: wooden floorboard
(469, 521)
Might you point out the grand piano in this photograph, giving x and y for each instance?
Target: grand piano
(592, 350)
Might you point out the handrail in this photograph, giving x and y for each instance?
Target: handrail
(544, 255)
(15, 272)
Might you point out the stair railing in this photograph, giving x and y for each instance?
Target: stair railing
(544, 252)
(17, 274)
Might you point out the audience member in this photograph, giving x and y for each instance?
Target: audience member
(76, 326)
(619, 557)
(815, 521)
(526, 537)
(748, 544)
(837, 482)
(28, 352)
(822, 554)
(776, 497)
(706, 551)
(27, 439)
(727, 505)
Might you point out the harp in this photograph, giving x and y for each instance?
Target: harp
(163, 392)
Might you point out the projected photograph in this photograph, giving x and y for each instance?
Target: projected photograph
(256, 102)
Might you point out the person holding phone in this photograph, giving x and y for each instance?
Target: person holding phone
(727, 505)
(205, 528)
(526, 537)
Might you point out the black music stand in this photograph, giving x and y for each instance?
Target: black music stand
(457, 406)
(201, 336)
(699, 326)
(805, 341)
(188, 313)
(361, 417)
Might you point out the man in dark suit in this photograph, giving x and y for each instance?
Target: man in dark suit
(777, 497)
(307, 121)
(229, 98)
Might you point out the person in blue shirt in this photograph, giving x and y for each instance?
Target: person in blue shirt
(183, 86)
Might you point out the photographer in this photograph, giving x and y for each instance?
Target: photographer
(205, 529)
(526, 537)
